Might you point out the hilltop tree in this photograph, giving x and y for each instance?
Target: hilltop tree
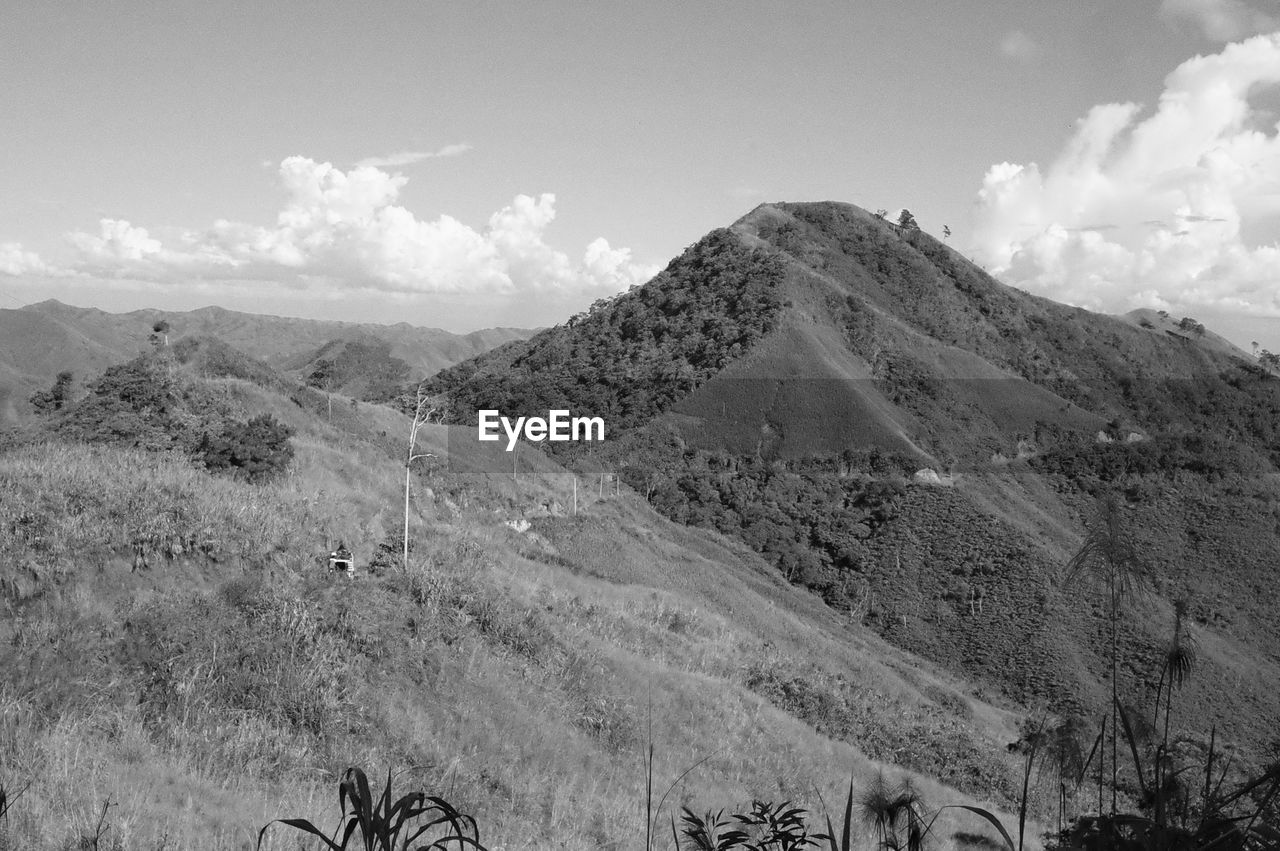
(1269, 360)
(906, 221)
(160, 334)
(946, 233)
(1191, 326)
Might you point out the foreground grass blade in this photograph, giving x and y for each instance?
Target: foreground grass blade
(845, 831)
(990, 817)
(306, 827)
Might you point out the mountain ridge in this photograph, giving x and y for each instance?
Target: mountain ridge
(39, 340)
(866, 352)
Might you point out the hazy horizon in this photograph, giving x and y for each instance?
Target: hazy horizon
(508, 164)
(1240, 330)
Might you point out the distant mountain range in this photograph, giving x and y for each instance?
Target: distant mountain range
(41, 340)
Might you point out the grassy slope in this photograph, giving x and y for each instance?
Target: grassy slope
(512, 672)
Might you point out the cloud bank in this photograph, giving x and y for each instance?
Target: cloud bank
(14, 260)
(1177, 209)
(345, 230)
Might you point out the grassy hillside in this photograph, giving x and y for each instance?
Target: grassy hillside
(229, 679)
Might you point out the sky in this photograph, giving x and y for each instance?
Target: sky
(474, 164)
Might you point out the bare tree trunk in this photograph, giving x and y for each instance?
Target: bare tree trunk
(425, 408)
(406, 516)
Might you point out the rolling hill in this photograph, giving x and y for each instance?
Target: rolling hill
(177, 656)
(41, 340)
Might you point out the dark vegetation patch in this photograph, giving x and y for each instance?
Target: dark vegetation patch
(809, 518)
(361, 369)
(257, 450)
(631, 357)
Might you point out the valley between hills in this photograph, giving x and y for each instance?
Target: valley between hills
(834, 532)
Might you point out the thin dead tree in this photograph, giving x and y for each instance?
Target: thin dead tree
(426, 406)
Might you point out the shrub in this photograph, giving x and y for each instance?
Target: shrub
(56, 397)
(256, 450)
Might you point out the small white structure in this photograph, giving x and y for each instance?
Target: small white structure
(340, 559)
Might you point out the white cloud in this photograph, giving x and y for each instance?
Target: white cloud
(1153, 210)
(403, 158)
(1221, 20)
(1018, 45)
(15, 260)
(342, 230)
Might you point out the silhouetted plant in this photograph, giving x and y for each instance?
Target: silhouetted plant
(780, 827)
(1178, 661)
(387, 825)
(895, 814)
(711, 831)
(1109, 556)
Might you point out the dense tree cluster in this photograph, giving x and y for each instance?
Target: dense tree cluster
(256, 450)
(633, 356)
(1087, 463)
(135, 404)
(1191, 326)
(56, 397)
(152, 403)
(808, 519)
